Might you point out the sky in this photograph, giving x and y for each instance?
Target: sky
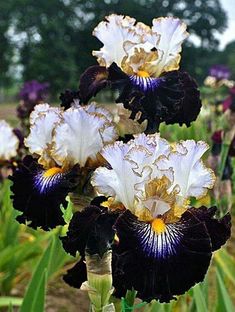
(229, 34)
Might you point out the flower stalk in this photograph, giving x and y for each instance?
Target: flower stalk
(224, 154)
(128, 303)
(99, 282)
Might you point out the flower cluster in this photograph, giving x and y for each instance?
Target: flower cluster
(141, 223)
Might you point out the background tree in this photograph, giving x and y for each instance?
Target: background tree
(6, 48)
(53, 39)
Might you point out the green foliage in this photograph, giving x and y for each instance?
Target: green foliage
(10, 301)
(50, 263)
(20, 246)
(226, 264)
(35, 295)
(224, 302)
(14, 249)
(199, 298)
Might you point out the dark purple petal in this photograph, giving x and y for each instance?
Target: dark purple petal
(39, 197)
(68, 97)
(172, 98)
(92, 81)
(90, 230)
(160, 266)
(79, 229)
(76, 275)
(190, 105)
(219, 229)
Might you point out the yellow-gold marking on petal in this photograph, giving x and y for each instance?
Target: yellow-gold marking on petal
(143, 74)
(176, 212)
(52, 171)
(158, 225)
(116, 238)
(112, 205)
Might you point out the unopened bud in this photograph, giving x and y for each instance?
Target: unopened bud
(99, 282)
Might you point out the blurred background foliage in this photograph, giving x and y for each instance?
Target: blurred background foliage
(52, 40)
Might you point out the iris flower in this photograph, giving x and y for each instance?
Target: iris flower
(9, 142)
(219, 72)
(163, 245)
(142, 62)
(218, 76)
(31, 93)
(63, 144)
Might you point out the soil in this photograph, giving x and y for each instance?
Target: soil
(63, 298)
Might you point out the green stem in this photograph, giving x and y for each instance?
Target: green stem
(224, 154)
(130, 298)
(128, 303)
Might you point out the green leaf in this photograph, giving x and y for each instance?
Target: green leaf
(224, 302)
(10, 308)
(200, 299)
(155, 306)
(36, 287)
(58, 257)
(68, 212)
(226, 264)
(10, 301)
(40, 294)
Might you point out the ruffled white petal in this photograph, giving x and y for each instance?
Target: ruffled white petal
(190, 174)
(120, 180)
(156, 145)
(131, 45)
(113, 32)
(94, 108)
(172, 33)
(80, 136)
(131, 167)
(149, 173)
(39, 139)
(8, 142)
(42, 109)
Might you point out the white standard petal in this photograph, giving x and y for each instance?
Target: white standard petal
(113, 33)
(119, 181)
(154, 144)
(172, 33)
(8, 141)
(39, 139)
(79, 137)
(42, 109)
(94, 108)
(190, 174)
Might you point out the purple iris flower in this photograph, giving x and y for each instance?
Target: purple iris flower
(220, 72)
(34, 91)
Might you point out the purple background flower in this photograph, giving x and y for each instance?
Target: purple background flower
(34, 91)
(220, 72)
